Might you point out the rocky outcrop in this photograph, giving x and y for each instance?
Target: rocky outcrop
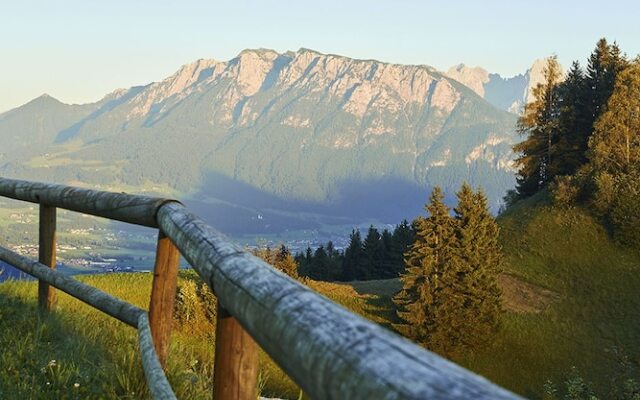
(510, 94)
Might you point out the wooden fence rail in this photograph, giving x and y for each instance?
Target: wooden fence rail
(327, 350)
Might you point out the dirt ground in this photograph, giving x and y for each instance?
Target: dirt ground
(523, 297)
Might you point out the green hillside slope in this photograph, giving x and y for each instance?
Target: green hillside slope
(593, 323)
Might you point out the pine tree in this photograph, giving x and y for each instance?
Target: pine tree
(334, 263)
(388, 265)
(539, 124)
(372, 249)
(403, 237)
(605, 63)
(421, 301)
(574, 129)
(319, 269)
(352, 257)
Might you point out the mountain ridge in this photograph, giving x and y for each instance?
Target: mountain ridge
(298, 125)
(510, 93)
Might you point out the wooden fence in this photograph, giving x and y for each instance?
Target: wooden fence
(327, 350)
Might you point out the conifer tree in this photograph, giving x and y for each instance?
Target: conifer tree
(539, 124)
(373, 252)
(285, 262)
(422, 302)
(573, 124)
(319, 269)
(403, 237)
(450, 300)
(615, 145)
(605, 63)
(388, 264)
(615, 158)
(352, 256)
(480, 261)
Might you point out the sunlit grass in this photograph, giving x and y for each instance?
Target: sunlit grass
(97, 356)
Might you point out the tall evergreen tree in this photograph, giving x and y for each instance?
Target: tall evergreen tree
(475, 285)
(605, 63)
(388, 265)
(403, 237)
(373, 251)
(539, 124)
(319, 269)
(450, 301)
(352, 257)
(422, 301)
(574, 127)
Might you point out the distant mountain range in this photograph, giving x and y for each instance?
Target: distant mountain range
(509, 94)
(268, 140)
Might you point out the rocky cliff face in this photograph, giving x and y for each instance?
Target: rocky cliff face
(297, 125)
(510, 94)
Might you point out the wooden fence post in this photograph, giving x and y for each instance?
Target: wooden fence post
(47, 254)
(236, 360)
(163, 292)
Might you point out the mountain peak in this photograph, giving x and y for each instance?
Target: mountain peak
(473, 77)
(44, 99)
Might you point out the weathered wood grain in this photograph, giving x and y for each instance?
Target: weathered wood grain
(327, 350)
(139, 210)
(156, 380)
(163, 294)
(235, 375)
(104, 302)
(47, 254)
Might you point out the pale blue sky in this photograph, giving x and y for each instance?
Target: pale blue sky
(79, 50)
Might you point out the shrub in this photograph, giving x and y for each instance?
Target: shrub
(605, 192)
(195, 305)
(565, 191)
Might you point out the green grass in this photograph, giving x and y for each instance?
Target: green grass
(100, 354)
(595, 320)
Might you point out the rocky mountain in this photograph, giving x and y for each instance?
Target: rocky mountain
(510, 94)
(275, 135)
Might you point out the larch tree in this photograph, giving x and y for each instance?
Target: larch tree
(615, 144)
(285, 262)
(539, 124)
(615, 158)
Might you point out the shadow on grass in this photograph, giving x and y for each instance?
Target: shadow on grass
(54, 355)
(378, 298)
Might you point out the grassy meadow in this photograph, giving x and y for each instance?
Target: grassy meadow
(570, 296)
(78, 352)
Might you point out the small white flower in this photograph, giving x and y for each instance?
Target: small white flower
(76, 385)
